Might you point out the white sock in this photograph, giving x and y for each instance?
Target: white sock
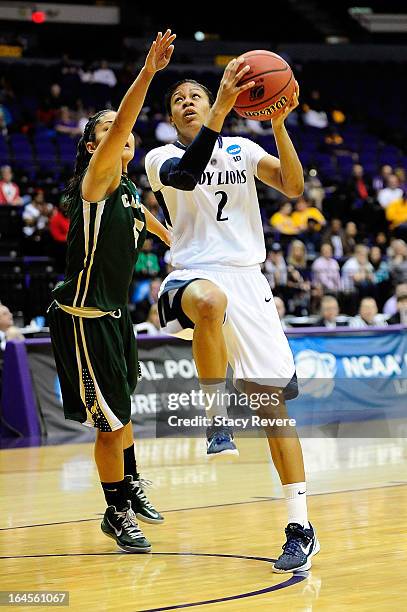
(215, 399)
(296, 498)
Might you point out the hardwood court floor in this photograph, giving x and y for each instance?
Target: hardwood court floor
(224, 523)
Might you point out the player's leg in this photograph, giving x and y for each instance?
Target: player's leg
(142, 507)
(259, 352)
(106, 397)
(204, 303)
(302, 542)
(286, 452)
(118, 521)
(73, 358)
(109, 462)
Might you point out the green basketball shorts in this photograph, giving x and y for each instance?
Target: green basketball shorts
(97, 365)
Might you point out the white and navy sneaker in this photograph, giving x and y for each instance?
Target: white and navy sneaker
(219, 442)
(142, 507)
(301, 545)
(122, 527)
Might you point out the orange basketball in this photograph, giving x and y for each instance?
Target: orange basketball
(274, 88)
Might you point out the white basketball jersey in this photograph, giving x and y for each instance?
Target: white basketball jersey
(219, 222)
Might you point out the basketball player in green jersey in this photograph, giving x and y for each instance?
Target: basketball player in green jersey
(91, 330)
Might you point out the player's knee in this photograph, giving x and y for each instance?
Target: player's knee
(211, 305)
(268, 402)
(271, 405)
(109, 438)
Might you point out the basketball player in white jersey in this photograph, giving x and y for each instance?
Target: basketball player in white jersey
(205, 185)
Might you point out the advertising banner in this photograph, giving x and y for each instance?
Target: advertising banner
(343, 379)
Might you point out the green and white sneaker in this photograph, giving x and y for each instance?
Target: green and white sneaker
(122, 527)
(142, 507)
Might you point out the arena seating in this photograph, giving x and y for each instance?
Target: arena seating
(42, 158)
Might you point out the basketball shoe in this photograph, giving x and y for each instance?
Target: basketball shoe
(142, 507)
(122, 527)
(220, 442)
(301, 545)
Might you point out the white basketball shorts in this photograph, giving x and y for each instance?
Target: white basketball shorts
(257, 347)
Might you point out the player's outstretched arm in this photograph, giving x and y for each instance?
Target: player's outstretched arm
(105, 164)
(284, 173)
(155, 227)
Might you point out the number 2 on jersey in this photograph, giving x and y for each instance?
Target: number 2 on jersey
(221, 205)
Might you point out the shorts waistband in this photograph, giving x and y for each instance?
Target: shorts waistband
(88, 312)
(228, 269)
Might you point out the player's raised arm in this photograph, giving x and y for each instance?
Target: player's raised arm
(105, 165)
(228, 92)
(285, 173)
(155, 227)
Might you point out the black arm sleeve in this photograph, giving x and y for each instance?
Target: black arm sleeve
(184, 173)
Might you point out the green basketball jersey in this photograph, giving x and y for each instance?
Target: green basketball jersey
(103, 243)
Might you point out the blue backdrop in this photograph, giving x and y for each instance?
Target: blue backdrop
(350, 377)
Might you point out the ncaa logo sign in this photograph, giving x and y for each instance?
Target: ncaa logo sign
(316, 372)
(233, 149)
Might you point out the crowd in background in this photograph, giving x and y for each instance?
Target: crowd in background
(337, 255)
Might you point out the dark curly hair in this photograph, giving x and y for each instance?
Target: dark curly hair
(82, 160)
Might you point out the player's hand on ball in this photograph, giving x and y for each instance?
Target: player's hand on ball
(229, 87)
(293, 103)
(160, 52)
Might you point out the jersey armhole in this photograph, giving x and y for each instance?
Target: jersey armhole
(106, 197)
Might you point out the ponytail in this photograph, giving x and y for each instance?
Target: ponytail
(82, 160)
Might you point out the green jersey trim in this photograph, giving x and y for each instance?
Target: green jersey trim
(92, 215)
